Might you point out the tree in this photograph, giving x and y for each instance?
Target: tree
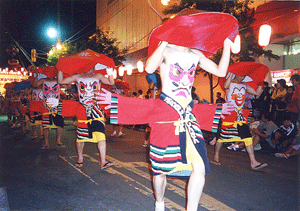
(250, 48)
(102, 41)
(65, 50)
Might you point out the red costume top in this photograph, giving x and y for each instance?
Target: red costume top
(164, 115)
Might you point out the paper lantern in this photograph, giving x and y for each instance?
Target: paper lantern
(129, 69)
(236, 46)
(140, 66)
(121, 71)
(264, 35)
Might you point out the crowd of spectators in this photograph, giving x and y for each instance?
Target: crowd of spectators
(277, 110)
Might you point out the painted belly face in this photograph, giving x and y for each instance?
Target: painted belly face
(178, 74)
(238, 96)
(87, 87)
(51, 92)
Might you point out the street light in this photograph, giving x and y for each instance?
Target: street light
(52, 33)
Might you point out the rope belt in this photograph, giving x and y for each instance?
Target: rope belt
(90, 120)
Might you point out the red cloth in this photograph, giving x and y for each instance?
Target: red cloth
(256, 71)
(203, 31)
(49, 71)
(82, 62)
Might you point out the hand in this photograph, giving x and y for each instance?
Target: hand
(109, 71)
(226, 109)
(104, 97)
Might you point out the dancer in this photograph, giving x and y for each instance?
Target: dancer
(177, 147)
(234, 126)
(91, 121)
(50, 107)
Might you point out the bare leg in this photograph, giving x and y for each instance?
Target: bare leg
(101, 145)
(256, 140)
(34, 131)
(59, 132)
(195, 186)
(46, 136)
(159, 185)
(217, 151)
(41, 130)
(79, 148)
(250, 151)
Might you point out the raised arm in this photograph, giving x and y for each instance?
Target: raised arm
(36, 82)
(67, 80)
(156, 58)
(211, 67)
(228, 81)
(109, 80)
(259, 89)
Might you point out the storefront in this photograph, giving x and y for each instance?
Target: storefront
(283, 74)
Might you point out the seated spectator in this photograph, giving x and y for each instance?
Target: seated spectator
(294, 149)
(134, 94)
(263, 133)
(284, 135)
(141, 96)
(254, 123)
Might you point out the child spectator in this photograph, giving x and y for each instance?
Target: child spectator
(284, 135)
(294, 149)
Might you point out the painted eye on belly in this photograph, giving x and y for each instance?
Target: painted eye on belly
(176, 72)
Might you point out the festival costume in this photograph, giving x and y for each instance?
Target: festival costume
(91, 121)
(173, 129)
(36, 117)
(50, 107)
(235, 126)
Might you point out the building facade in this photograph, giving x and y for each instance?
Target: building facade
(132, 21)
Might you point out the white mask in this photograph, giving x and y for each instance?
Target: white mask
(178, 73)
(51, 93)
(87, 87)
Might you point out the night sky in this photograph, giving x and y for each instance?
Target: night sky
(26, 21)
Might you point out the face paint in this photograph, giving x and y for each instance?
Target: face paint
(178, 72)
(237, 94)
(87, 87)
(51, 92)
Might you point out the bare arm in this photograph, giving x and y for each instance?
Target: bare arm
(211, 67)
(228, 81)
(156, 58)
(256, 91)
(67, 80)
(102, 79)
(37, 82)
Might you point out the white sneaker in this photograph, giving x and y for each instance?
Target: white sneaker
(233, 147)
(160, 206)
(121, 135)
(114, 133)
(257, 147)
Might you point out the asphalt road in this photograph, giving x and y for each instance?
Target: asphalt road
(35, 179)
